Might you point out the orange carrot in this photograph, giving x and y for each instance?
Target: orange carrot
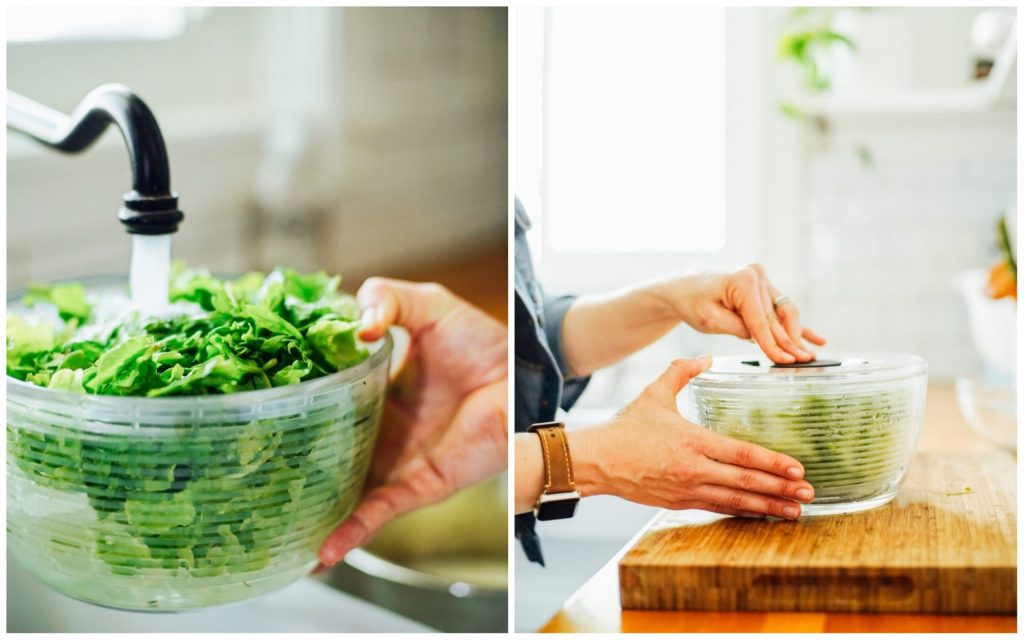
(1001, 281)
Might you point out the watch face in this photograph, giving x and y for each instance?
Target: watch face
(557, 509)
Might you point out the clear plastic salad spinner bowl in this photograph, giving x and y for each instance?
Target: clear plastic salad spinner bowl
(174, 503)
(852, 421)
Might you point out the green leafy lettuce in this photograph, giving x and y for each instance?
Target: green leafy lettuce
(254, 332)
(852, 446)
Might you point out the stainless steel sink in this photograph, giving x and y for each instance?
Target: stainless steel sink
(445, 566)
(444, 604)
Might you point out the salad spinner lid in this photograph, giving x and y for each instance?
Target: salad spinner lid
(837, 367)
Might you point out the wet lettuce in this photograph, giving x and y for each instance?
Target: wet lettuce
(253, 332)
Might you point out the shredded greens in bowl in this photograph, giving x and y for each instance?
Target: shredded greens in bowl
(854, 443)
(173, 509)
(223, 336)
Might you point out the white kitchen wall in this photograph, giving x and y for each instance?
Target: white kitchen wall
(426, 137)
(883, 243)
(871, 248)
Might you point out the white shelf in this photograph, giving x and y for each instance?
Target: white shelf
(996, 92)
(969, 99)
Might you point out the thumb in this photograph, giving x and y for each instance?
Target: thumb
(681, 371)
(377, 508)
(413, 305)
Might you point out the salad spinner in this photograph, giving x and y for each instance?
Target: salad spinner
(852, 421)
(175, 503)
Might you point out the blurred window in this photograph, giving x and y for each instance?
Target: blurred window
(635, 130)
(78, 24)
(56, 56)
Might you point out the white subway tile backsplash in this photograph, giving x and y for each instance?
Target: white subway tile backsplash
(887, 240)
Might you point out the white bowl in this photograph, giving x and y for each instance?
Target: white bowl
(993, 323)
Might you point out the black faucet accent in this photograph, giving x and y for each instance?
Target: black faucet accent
(150, 208)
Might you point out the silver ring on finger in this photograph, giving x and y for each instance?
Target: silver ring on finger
(781, 300)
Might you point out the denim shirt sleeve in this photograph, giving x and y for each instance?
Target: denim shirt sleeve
(541, 371)
(555, 309)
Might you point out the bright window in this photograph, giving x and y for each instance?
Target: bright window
(635, 130)
(44, 24)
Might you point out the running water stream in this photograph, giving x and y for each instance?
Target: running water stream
(150, 272)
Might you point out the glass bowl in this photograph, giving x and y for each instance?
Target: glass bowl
(852, 421)
(991, 410)
(165, 504)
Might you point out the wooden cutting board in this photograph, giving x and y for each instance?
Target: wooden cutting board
(946, 544)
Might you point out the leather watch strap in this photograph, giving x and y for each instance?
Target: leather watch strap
(558, 477)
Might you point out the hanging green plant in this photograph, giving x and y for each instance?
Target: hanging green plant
(810, 47)
(812, 43)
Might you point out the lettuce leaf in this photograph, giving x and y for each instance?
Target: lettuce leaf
(69, 299)
(335, 341)
(26, 345)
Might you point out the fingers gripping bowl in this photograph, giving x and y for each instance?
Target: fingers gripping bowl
(852, 422)
(173, 503)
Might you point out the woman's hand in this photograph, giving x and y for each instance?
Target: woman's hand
(649, 454)
(445, 421)
(599, 330)
(741, 304)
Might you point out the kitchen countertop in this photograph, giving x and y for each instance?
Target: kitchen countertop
(595, 606)
(305, 606)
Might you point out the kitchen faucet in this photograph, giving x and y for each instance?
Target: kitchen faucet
(150, 208)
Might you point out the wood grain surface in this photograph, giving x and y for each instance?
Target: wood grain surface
(595, 606)
(946, 544)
